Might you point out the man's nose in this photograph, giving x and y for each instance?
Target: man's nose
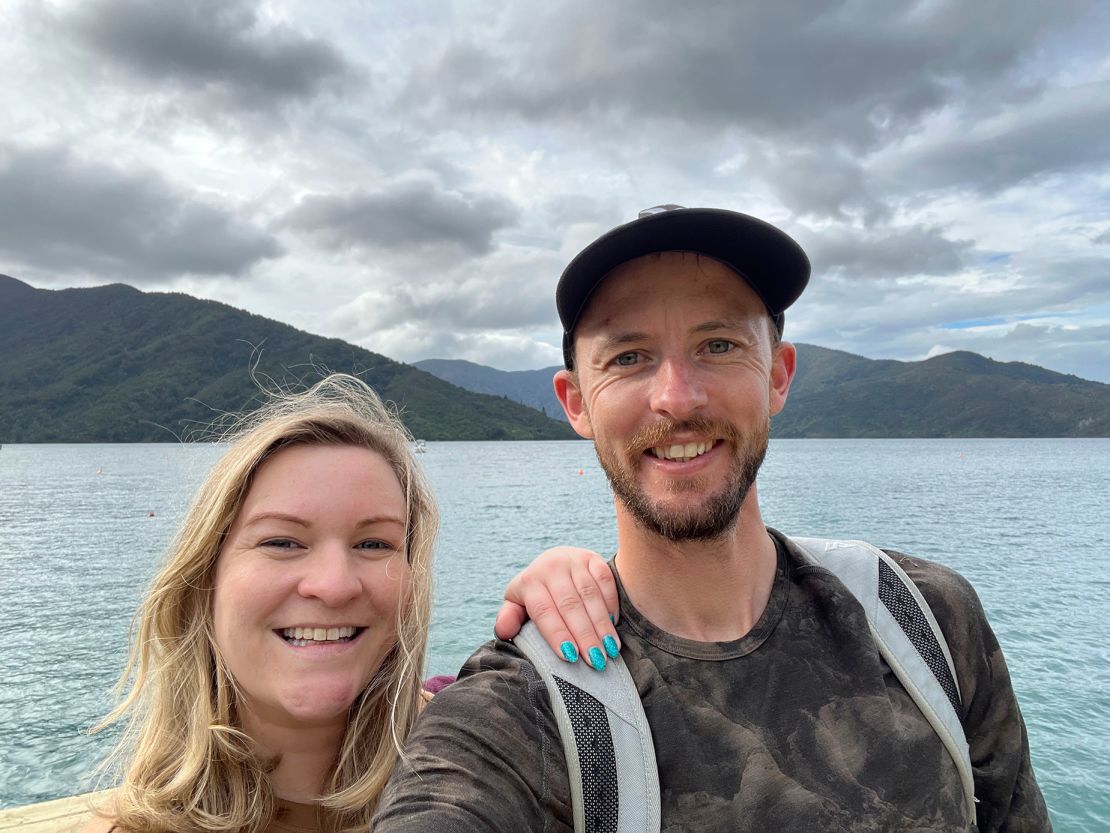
(330, 575)
(678, 390)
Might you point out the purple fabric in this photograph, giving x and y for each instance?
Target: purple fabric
(437, 683)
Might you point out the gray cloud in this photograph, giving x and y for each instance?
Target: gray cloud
(885, 253)
(218, 46)
(818, 182)
(1065, 281)
(407, 216)
(854, 74)
(1064, 130)
(63, 215)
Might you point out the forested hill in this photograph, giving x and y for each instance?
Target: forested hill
(959, 394)
(113, 364)
(837, 394)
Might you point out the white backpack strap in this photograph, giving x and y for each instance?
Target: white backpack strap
(908, 637)
(605, 733)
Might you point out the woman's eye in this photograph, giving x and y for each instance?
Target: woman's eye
(627, 359)
(279, 543)
(718, 345)
(374, 545)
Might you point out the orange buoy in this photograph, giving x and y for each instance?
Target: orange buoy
(581, 471)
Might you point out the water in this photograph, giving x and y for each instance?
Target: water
(82, 527)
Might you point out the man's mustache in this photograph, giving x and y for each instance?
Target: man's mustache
(662, 432)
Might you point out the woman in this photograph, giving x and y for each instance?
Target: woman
(277, 659)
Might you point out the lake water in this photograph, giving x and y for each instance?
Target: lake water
(1027, 521)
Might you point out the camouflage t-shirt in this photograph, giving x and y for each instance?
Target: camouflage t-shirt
(798, 725)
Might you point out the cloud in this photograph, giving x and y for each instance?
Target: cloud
(507, 351)
(887, 253)
(848, 73)
(221, 47)
(67, 216)
(1062, 130)
(821, 182)
(407, 216)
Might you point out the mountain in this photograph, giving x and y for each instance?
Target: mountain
(113, 364)
(529, 387)
(837, 394)
(957, 394)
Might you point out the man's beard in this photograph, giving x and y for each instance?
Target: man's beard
(716, 515)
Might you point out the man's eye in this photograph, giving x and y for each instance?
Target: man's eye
(627, 359)
(718, 345)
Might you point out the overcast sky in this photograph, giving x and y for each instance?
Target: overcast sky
(413, 177)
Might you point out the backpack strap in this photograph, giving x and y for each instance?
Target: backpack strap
(604, 732)
(908, 637)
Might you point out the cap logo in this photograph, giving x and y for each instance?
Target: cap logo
(658, 209)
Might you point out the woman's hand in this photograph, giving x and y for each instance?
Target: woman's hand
(571, 595)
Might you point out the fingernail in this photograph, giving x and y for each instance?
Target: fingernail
(612, 618)
(611, 647)
(597, 659)
(570, 653)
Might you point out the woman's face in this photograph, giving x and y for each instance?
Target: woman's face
(308, 582)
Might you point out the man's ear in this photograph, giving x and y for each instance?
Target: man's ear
(784, 361)
(570, 397)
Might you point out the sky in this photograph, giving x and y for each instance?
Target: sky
(413, 178)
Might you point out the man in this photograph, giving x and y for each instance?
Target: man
(770, 706)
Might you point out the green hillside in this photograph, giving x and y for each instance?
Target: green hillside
(958, 394)
(113, 364)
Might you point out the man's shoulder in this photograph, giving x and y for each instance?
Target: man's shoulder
(496, 669)
(950, 596)
(496, 686)
(484, 755)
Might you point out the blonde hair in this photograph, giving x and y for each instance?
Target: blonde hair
(184, 764)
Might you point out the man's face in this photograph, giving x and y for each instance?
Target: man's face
(676, 381)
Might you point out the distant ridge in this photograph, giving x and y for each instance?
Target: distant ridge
(838, 394)
(529, 387)
(113, 364)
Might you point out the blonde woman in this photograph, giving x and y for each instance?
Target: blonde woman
(277, 659)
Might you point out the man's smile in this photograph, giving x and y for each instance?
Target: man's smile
(683, 452)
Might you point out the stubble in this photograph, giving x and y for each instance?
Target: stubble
(720, 510)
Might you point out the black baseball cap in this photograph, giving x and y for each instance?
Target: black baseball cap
(771, 262)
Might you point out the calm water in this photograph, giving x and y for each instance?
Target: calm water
(81, 528)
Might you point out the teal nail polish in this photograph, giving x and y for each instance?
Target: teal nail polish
(597, 659)
(612, 618)
(611, 647)
(570, 653)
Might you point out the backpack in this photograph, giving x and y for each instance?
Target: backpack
(605, 731)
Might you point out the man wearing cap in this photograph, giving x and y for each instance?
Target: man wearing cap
(769, 704)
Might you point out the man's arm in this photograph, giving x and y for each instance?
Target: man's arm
(485, 756)
(1010, 800)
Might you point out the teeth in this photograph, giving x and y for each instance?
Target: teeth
(306, 635)
(681, 452)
